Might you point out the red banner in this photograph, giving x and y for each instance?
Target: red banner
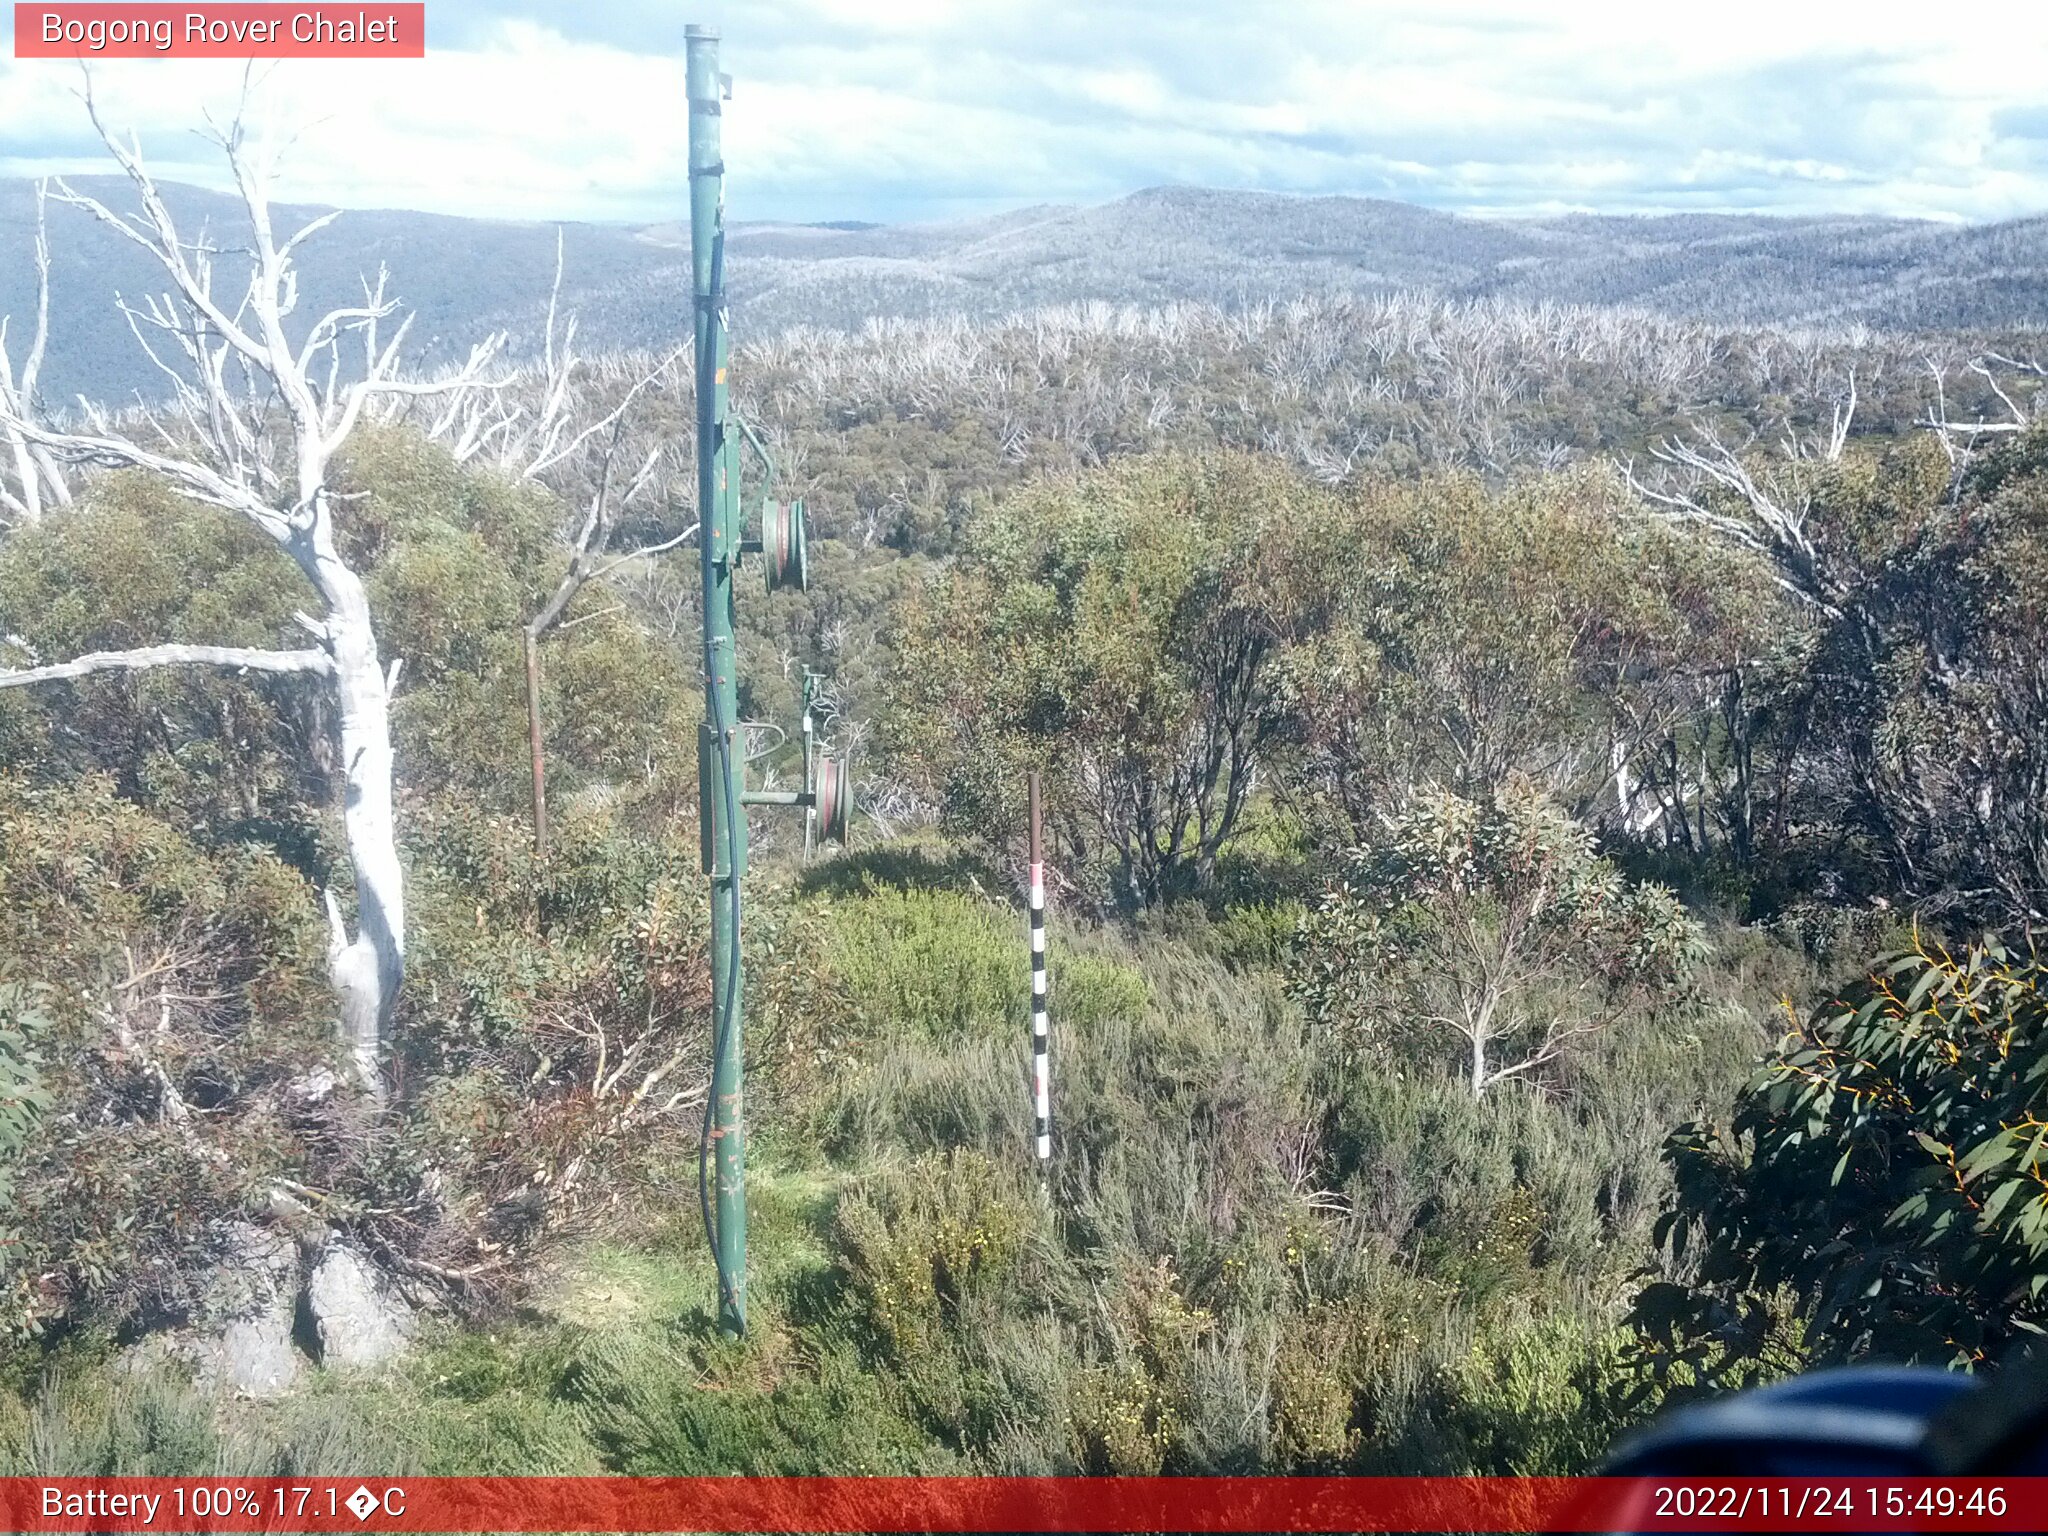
(965, 1504)
(217, 31)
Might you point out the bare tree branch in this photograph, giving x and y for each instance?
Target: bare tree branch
(35, 473)
(150, 656)
(1962, 440)
(647, 552)
(1715, 487)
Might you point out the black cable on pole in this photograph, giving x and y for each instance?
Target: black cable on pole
(722, 1034)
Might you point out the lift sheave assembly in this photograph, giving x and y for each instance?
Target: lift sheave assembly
(783, 548)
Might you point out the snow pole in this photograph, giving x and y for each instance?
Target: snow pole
(1041, 1033)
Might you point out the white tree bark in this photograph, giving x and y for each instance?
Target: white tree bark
(145, 657)
(37, 478)
(232, 366)
(368, 969)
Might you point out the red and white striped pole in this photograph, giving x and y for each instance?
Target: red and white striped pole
(1041, 1083)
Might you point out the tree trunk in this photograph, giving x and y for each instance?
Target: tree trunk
(533, 739)
(1618, 755)
(367, 970)
(31, 479)
(1478, 1064)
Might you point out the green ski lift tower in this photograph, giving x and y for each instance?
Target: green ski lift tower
(723, 796)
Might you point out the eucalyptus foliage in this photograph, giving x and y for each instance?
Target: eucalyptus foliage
(1882, 1188)
(23, 1099)
(1493, 923)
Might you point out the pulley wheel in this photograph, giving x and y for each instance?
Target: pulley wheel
(834, 799)
(785, 552)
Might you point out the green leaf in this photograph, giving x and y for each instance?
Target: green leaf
(2000, 1198)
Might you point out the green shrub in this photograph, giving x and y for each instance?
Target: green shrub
(1532, 1395)
(549, 1066)
(167, 978)
(933, 1245)
(1882, 1187)
(222, 756)
(1312, 1398)
(1261, 935)
(1486, 933)
(651, 1412)
(939, 966)
(23, 1103)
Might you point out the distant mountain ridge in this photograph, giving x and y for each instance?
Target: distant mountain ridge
(466, 277)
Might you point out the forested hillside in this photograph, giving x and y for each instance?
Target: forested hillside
(1525, 783)
(465, 277)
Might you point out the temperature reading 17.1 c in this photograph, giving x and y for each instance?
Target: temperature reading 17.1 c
(303, 1502)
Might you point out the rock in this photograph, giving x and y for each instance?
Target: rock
(240, 1335)
(359, 1317)
(314, 1087)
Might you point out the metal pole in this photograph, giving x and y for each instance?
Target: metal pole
(1041, 1040)
(721, 762)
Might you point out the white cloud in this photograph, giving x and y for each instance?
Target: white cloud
(890, 108)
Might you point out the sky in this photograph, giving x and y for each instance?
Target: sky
(919, 110)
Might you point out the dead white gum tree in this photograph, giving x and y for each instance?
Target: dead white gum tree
(2024, 398)
(1762, 505)
(30, 477)
(259, 406)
